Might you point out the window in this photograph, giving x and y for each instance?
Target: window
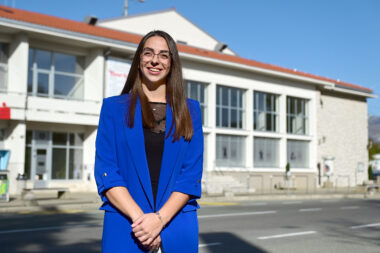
(298, 154)
(266, 152)
(265, 112)
(196, 91)
(52, 74)
(229, 107)
(230, 151)
(67, 156)
(3, 66)
(297, 116)
(63, 153)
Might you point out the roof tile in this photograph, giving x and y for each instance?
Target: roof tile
(81, 27)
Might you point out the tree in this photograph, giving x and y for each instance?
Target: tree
(373, 149)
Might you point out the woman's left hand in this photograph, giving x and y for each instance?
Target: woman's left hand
(146, 228)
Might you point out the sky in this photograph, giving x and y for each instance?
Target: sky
(339, 39)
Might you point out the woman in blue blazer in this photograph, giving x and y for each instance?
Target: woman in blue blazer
(149, 156)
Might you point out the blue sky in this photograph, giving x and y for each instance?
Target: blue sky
(339, 39)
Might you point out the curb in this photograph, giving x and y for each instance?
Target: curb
(78, 206)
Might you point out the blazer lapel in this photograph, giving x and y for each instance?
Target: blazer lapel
(169, 157)
(136, 143)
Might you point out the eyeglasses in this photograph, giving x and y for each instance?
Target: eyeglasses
(148, 54)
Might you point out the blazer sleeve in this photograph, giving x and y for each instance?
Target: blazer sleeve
(107, 173)
(189, 179)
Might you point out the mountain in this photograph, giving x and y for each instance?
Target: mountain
(374, 128)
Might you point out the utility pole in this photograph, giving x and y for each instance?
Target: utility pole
(126, 6)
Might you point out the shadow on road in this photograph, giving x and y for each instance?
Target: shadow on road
(55, 233)
(227, 242)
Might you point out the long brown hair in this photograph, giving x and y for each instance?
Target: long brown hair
(175, 92)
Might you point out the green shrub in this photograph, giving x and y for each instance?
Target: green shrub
(370, 174)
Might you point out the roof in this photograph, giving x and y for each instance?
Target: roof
(173, 10)
(81, 27)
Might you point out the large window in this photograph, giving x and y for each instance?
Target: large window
(53, 74)
(297, 115)
(298, 153)
(229, 107)
(67, 156)
(230, 151)
(196, 91)
(265, 108)
(266, 153)
(3, 66)
(62, 155)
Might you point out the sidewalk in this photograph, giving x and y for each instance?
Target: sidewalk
(79, 202)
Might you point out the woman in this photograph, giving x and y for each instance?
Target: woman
(149, 156)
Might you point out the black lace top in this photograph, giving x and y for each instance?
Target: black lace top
(154, 144)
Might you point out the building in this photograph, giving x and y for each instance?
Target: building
(257, 117)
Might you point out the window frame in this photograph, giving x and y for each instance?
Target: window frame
(240, 107)
(32, 146)
(203, 104)
(293, 118)
(220, 162)
(274, 115)
(4, 57)
(52, 72)
(276, 153)
(307, 153)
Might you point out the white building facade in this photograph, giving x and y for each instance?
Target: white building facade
(54, 74)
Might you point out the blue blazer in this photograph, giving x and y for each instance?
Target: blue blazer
(121, 161)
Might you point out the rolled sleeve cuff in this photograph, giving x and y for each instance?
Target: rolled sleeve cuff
(110, 178)
(191, 188)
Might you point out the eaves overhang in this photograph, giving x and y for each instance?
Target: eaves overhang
(245, 67)
(92, 39)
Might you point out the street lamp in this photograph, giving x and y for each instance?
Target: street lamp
(126, 6)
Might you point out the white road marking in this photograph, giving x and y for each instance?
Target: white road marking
(349, 207)
(47, 228)
(286, 235)
(291, 202)
(366, 226)
(234, 214)
(209, 244)
(310, 209)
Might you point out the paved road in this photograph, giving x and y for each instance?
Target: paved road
(276, 226)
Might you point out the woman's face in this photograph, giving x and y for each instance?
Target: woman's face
(155, 61)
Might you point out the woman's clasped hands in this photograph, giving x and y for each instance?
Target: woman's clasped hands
(147, 229)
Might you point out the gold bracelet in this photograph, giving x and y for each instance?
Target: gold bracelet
(160, 217)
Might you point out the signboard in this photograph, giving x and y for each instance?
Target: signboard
(116, 74)
(4, 187)
(328, 166)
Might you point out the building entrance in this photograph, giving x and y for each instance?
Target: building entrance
(41, 159)
(53, 156)
(41, 172)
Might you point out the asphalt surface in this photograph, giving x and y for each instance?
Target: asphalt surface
(331, 225)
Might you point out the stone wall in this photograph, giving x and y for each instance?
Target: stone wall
(342, 129)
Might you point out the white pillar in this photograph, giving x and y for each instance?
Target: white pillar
(282, 127)
(15, 142)
(94, 75)
(18, 64)
(211, 139)
(249, 127)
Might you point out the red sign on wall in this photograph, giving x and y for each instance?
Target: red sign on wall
(5, 112)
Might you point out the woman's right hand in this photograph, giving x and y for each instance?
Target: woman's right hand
(147, 228)
(155, 245)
